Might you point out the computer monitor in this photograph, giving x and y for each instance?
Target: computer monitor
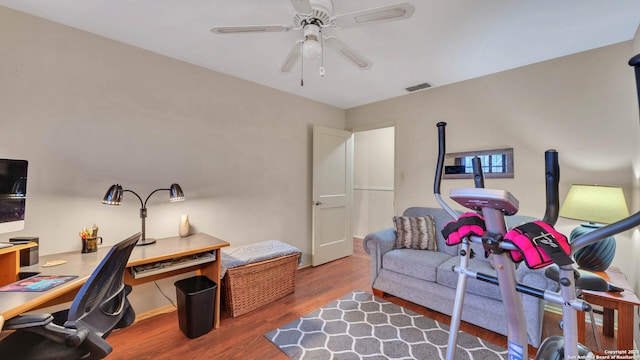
(13, 194)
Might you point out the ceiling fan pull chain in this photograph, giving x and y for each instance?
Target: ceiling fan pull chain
(321, 38)
(301, 65)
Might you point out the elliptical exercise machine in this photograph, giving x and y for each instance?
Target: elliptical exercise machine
(494, 205)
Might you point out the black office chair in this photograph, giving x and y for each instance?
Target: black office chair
(100, 306)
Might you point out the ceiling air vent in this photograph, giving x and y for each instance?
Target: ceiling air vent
(418, 87)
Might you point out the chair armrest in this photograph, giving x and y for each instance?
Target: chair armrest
(98, 347)
(27, 321)
(43, 325)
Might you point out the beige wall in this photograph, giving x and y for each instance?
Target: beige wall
(635, 206)
(582, 105)
(373, 180)
(88, 112)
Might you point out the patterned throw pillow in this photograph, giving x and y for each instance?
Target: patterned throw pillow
(415, 232)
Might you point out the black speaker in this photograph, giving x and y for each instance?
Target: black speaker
(28, 256)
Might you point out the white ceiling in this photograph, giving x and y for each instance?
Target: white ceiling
(445, 41)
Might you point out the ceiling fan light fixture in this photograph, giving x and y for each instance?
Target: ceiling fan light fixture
(311, 49)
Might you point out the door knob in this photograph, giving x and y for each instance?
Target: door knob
(316, 203)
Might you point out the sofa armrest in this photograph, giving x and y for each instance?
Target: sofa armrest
(376, 245)
(384, 240)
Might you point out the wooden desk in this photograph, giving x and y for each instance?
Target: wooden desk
(10, 262)
(16, 303)
(624, 302)
(173, 247)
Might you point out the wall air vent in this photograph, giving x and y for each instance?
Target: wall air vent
(418, 87)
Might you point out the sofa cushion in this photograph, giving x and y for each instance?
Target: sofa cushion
(415, 232)
(440, 217)
(416, 263)
(447, 277)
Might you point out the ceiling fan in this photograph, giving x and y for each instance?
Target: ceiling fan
(314, 16)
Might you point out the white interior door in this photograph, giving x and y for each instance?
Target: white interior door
(332, 194)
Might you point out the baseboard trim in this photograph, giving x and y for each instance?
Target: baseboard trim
(154, 312)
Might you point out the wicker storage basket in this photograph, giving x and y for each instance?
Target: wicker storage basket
(248, 287)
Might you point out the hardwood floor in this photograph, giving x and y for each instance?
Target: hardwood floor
(243, 338)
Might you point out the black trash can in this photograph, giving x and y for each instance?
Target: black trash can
(196, 305)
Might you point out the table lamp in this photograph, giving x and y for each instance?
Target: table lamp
(598, 205)
(114, 197)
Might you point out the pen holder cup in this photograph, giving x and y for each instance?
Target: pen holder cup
(90, 245)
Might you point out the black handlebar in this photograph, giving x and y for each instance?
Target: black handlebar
(605, 231)
(635, 62)
(478, 176)
(552, 178)
(441, 153)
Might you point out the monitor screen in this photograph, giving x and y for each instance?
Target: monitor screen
(13, 194)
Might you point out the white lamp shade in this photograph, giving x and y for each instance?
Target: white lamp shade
(311, 49)
(594, 203)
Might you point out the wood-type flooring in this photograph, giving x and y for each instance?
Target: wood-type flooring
(242, 338)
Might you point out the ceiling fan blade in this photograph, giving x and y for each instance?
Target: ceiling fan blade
(302, 6)
(248, 29)
(292, 58)
(377, 15)
(348, 53)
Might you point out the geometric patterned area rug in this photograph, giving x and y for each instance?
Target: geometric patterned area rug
(360, 326)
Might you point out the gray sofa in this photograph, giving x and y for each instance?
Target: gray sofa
(425, 277)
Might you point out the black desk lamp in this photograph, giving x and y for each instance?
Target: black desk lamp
(114, 197)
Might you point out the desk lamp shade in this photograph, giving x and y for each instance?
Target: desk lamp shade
(598, 205)
(175, 193)
(114, 197)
